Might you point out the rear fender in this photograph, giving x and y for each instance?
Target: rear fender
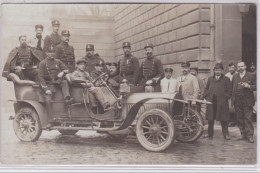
(39, 108)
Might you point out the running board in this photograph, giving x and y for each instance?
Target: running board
(82, 128)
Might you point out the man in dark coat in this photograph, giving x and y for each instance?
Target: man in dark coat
(23, 61)
(128, 65)
(218, 91)
(65, 52)
(151, 71)
(244, 84)
(93, 59)
(54, 39)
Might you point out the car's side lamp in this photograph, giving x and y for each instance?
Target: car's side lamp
(124, 87)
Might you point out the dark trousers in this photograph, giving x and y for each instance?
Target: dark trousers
(97, 94)
(27, 74)
(244, 116)
(224, 124)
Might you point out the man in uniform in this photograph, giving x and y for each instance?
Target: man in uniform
(93, 59)
(244, 85)
(128, 65)
(51, 75)
(23, 61)
(37, 41)
(189, 83)
(114, 77)
(65, 52)
(54, 39)
(151, 70)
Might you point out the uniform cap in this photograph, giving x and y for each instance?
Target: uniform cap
(38, 26)
(219, 66)
(194, 68)
(100, 63)
(65, 32)
(90, 46)
(81, 61)
(55, 22)
(185, 64)
(50, 49)
(113, 64)
(148, 45)
(168, 70)
(126, 44)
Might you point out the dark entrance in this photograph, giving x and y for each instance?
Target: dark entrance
(249, 36)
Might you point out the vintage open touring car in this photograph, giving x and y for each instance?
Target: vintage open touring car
(160, 118)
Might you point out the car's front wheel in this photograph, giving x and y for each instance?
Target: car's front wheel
(26, 124)
(155, 130)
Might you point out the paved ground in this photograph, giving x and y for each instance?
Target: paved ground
(91, 148)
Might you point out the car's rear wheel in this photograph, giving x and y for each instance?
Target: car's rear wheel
(155, 130)
(26, 124)
(68, 132)
(190, 128)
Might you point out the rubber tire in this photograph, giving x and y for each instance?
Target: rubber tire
(68, 132)
(199, 133)
(170, 123)
(35, 117)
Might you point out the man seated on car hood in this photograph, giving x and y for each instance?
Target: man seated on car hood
(83, 78)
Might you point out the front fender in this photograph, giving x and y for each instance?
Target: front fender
(132, 113)
(39, 108)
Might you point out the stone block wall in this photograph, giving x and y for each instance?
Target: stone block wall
(179, 32)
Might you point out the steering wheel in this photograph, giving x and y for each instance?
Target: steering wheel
(100, 79)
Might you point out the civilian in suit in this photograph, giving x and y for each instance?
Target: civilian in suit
(244, 84)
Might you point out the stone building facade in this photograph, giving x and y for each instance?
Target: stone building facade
(199, 33)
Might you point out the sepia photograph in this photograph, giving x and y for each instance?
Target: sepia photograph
(128, 85)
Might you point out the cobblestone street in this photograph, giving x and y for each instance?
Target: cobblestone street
(91, 148)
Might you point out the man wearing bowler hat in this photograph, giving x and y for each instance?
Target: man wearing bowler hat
(128, 65)
(189, 83)
(37, 41)
(151, 70)
(54, 39)
(65, 52)
(93, 59)
(218, 91)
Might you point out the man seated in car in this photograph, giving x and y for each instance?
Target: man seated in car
(83, 78)
(24, 61)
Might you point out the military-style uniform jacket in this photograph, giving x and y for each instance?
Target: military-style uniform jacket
(129, 69)
(51, 40)
(92, 61)
(26, 57)
(65, 53)
(49, 70)
(151, 68)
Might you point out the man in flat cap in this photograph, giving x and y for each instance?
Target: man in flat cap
(37, 41)
(128, 65)
(54, 39)
(218, 91)
(65, 52)
(189, 83)
(93, 59)
(80, 76)
(244, 85)
(151, 70)
(168, 83)
(23, 61)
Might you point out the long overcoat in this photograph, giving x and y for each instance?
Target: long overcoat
(222, 89)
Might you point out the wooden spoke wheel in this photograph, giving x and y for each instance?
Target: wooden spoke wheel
(27, 126)
(155, 130)
(190, 128)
